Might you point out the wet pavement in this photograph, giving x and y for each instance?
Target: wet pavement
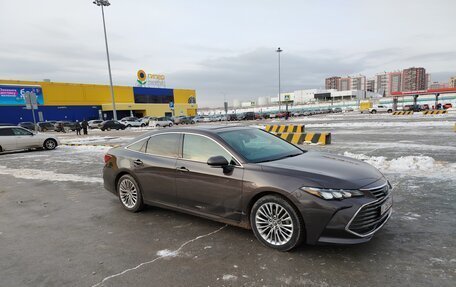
(59, 227)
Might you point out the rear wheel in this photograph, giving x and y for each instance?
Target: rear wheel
(129, 193)
(374, 111)
(390, 111)
(170, 125)
(50, 144)
(276, 223)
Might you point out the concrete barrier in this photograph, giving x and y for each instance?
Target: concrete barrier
(402, 113)
(436, 112)
(306, 138)
(284, 128)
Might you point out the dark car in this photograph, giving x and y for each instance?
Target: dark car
(27, 125)
(63, 126)
(231, 117)
(250, 178)
(112, 125)
(45, 126)
(182, 120)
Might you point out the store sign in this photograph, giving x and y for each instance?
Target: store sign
(14, 95)
(151, 80)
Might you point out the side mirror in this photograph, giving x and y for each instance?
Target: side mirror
(217, 161)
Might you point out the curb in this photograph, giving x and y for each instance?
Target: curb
(104, 145)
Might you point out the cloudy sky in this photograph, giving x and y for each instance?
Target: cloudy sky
(226, 48)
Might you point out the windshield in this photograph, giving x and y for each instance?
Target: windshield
(259, 146)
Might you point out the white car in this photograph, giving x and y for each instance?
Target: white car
(94, 124)
(380, 109)
(160, 122)
(17, 138)
(132, 122)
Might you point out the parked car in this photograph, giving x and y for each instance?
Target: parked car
(337, 110)
(132, 122)
(161, 122)
(197, 119)
(182, 120)
(64, 126)
(146, 120)
(231, 117)
(17, 138)
(94, 124)
(250, 178)
(45, 126)
(380, 109)
(27, 125)
(112, 125)
(447, 106)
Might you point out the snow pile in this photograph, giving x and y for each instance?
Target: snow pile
(425, 166)
(27, 173)
(372, 124)
(95, 140)
(85, 148)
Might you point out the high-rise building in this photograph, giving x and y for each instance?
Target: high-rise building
(381, 83)
(394, 82)
(358, 83)
(345, 84)
(414, 79)
(332, 83)
(437, 85)
(370, 85)
(452, 82)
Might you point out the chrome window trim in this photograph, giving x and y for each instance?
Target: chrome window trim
(181, 158)
(359, 209)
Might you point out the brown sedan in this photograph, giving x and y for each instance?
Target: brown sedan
(250, 178)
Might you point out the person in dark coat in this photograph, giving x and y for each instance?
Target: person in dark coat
(84, 125)
(78, 128)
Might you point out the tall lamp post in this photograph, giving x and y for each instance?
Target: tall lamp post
(103, 3)
(278, 52)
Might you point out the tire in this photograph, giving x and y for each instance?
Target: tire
(129, 193)
(262, 218)
(1, 149)
(390, 111)
(128, 126)
(157, 125)
(143, 125)
(50, 144)
(108, 129)
(170, 125)
(102, 130)
(374, 112)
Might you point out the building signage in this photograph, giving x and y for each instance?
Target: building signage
(14, 95)
(151, 80)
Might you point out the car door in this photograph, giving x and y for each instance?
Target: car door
(7, 139)
(24, 138)
(207, 189)
(155, 168)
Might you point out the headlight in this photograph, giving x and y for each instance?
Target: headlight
(330, 194)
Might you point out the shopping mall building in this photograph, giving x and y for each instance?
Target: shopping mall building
(68, 101)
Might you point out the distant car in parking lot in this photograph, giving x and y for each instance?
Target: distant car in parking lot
(132, 122)
(27, 125)
(161, 122)
(45, 126)
(380, 109)
(67, 125)
(337, 110)
(18, 138)
(447, 106)
(182, 120)
(94, 124)
(112, 125)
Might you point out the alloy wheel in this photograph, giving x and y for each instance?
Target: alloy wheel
(274, 223)
(128, 193)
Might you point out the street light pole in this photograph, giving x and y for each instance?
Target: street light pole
(278, 52)
(103, 3)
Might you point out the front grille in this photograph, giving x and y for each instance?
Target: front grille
(380, 192)
(369, 217)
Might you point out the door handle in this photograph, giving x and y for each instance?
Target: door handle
(138, 162)
(182, 168)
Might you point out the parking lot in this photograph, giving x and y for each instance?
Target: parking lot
(59, 227)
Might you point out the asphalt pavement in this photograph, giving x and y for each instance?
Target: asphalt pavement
(59, 227)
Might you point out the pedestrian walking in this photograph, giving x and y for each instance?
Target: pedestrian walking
(85, 125)
(78, 128)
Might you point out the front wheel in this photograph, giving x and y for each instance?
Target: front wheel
(129, 193)
(276, 223)
(374, 112)
(170, 125)
(50, 144)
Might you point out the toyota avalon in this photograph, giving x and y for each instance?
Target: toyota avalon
(253, 179)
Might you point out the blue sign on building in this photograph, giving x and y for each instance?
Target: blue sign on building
(14, 95)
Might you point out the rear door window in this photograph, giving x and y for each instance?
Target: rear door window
(139, 146)
(164, 145)
(6, 132)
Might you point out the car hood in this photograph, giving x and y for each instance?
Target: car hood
(328, 170)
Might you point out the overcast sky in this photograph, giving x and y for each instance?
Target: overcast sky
(225, 47)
